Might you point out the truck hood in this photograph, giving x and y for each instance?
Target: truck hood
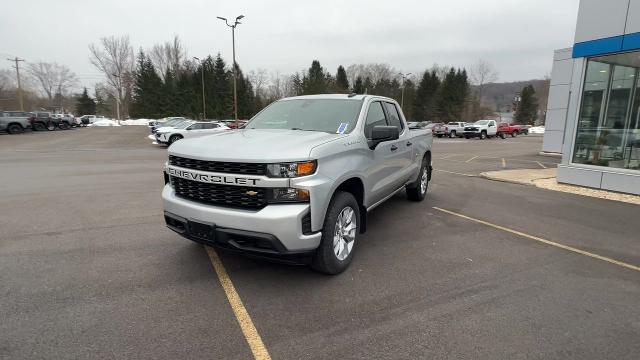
(253, 145)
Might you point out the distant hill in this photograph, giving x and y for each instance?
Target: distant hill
(500, 96)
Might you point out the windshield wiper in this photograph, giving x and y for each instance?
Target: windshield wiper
(301, 129)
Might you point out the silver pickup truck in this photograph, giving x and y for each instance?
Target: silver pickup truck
(298, 181)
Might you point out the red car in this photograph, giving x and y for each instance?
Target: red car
(505, 129)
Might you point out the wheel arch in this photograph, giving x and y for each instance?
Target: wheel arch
(355, 186)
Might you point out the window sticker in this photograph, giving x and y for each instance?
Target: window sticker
(342, 128)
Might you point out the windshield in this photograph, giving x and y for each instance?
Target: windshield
(482, 122)
(327, 115)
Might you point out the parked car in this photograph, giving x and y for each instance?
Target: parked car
(455, 129)
(187, 130)
(15, 122)
(299, 180)
(438, 129)
(46, 121)
(481, 129)
(523, 129)
(167, 123)
(90, 119)
(161, 122)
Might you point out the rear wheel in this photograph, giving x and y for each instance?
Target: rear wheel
(452, 134)
(502, 135)
(51, 126)
(39, 126)
(14, 129)
(339, 235)
(64, 126)
(417, 190)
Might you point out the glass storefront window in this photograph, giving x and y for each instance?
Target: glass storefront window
(608, 132)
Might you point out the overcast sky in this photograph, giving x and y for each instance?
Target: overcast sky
(517, 36)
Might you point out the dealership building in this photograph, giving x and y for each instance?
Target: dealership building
(593, 113)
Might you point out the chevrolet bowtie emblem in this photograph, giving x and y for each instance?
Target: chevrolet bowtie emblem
(251, 193)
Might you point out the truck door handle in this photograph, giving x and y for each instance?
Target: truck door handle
(394, 148)
(409, 143)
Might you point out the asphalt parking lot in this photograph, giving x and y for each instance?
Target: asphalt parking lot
(88, 269)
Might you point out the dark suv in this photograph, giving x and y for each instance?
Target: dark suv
(44, 121)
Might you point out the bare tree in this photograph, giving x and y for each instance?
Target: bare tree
(114, 58)
(53, 78)
(258, 79)
(168, 56)
(481, 73)
(373, 71)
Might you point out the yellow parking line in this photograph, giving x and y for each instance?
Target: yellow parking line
(246, 324)
(544, 241)
(471, 159)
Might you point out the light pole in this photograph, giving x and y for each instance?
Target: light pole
(204, 111)
(233, 44)
(404, 77)
(118, 98)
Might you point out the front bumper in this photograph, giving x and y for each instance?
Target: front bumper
(272, 230)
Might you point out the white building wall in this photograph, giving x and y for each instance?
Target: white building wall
(598, 19)
(557, 106)
(633, 19)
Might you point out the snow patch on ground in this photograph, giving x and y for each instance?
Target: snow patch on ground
(111, 122)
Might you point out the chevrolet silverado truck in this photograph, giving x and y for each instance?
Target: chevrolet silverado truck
(481, 129)
(298, 181)
(15, 122)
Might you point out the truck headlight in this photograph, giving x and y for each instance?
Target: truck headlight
(280, 195)
(291, 170)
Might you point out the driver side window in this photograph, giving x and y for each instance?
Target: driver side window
(375, 117)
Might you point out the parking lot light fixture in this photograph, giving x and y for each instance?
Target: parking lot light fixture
(404, 77)
(233, 67)
(204, 109)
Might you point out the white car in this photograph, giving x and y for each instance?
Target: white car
(481, 129)
(187, 130)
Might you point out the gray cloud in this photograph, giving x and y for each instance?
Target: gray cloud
(517, 36)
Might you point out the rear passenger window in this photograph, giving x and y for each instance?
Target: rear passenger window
(375, 117)
(394, 116)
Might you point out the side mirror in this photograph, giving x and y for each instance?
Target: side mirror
(383, 133)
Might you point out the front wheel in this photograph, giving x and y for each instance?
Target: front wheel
(514, 134)
(64, 126)
(14, 129)
(483, 135)
(174, 138)
(339, 235)
(51, 126)
(452, 134)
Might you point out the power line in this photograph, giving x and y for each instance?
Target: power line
(17, 61)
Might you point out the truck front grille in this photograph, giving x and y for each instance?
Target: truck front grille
(219, 166)
(221, 195)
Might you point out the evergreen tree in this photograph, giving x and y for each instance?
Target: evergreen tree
(527, 111)
(297, 83)
(358, 86)
(424, 105)
(409, 98)
(222, 95)
(85, 104)
(342, 82)
(315, 82)
(102, 106)
(147, 97)
(246, 97)
(452, 96)
(368, 85)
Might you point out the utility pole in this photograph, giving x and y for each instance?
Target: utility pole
(233, 44)
(404, 77)
(17, 61)
(204, 108)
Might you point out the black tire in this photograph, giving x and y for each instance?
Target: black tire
(514, 134)
(64, 126)
(51, 126)
(14, 129)
(466, 137)
(174, 138)
(452, 134)
(415, 191)
(483, 135)
(325, 259)
(502, 135)
(39, 127)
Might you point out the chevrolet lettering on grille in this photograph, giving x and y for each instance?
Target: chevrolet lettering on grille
(212, 178)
